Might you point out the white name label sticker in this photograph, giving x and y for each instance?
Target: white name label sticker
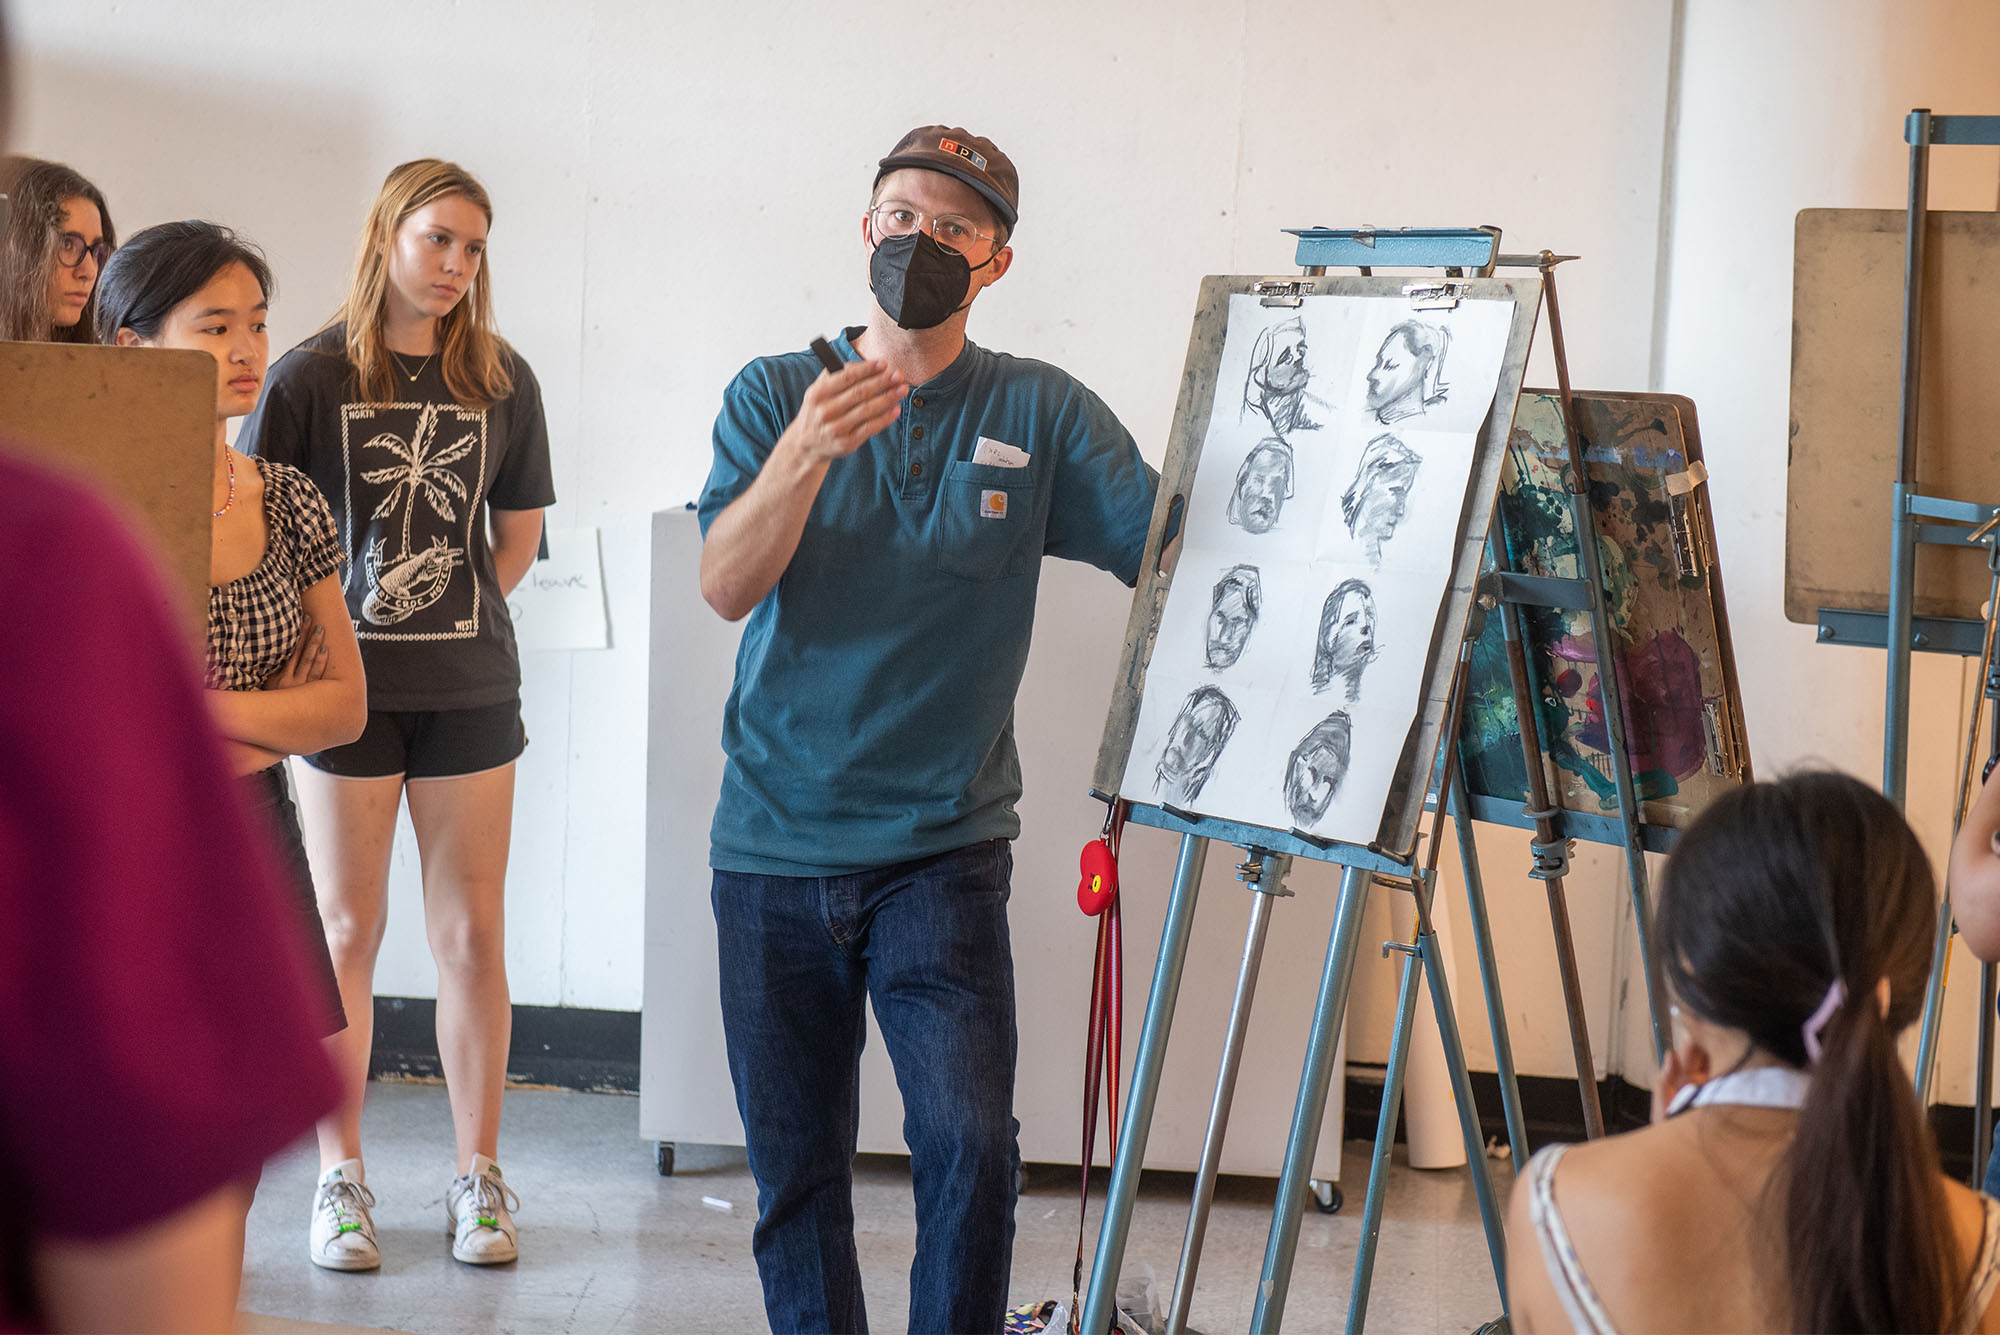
(992, 505)
(999, 454)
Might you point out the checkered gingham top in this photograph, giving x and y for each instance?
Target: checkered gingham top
(253, 622)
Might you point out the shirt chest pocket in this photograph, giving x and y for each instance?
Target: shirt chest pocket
(984, 522)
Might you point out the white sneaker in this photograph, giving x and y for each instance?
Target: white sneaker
(343, 1234)
(476, 1214)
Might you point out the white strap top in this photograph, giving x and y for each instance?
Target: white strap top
(1759, 1087)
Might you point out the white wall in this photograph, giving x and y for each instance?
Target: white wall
(1783, 107)
(679, 189)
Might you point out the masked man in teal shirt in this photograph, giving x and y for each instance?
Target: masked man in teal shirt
(883, 528)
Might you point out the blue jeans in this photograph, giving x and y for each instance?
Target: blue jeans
(927, 943)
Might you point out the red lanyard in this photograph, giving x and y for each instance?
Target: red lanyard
(1097, 896)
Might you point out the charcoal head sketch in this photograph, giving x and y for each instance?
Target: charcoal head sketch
(1232, 614)
(1195, 740)
(1346, 642)
(1263, 485)
(1276, 386)
(1373, 503)
(1408, 375)
(1318, 764)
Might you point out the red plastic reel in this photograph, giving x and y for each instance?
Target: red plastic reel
(1099, 883)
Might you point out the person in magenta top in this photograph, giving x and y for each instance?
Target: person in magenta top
(154, 999)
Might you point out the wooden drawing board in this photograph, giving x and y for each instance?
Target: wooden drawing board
(1846, 425)
(136, 423)
(1681, 706)
(1396, 836)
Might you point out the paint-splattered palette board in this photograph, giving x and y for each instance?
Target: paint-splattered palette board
(1330, 474)
(1682, 710)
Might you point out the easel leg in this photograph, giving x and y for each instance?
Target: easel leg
(1385, 1137)
(1342, 943)
(1982, 1081)
(1550, 860)
(1933, 1003)
(1590, 566)
(1461, 1089)
(1902, 581)
(1489, 969)
(1225, 1080)
(1146, 1066)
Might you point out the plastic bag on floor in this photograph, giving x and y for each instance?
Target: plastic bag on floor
(1051, 1317)
(1138, 1293)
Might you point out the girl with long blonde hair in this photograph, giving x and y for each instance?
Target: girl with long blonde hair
(425, 430)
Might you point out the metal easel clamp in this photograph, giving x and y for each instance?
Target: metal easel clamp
(1443, 296)
(1264, 872)
(1551, 860)
(1283, 291)
(1550, 857)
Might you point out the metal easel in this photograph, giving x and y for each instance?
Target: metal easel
(1506, 592)
(1455, 251)
(1917, 518)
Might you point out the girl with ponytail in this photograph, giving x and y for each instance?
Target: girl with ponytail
(1789, 1181)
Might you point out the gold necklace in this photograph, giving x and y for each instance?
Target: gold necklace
(404, 368)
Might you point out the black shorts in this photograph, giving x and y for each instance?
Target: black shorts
(429, 743)
(269, 800)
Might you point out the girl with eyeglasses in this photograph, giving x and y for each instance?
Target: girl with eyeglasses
(57, 238)
(425, 430)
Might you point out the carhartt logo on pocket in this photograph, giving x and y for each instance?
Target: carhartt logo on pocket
(992, 505)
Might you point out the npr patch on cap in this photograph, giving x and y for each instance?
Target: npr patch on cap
(958, 152)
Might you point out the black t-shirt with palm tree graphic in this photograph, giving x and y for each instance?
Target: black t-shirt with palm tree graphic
(409, 483)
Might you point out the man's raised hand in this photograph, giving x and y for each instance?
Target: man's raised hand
(844, 409)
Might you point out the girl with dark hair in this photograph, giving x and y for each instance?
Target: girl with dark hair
(1789, 1181)
(282, 669)
(425, 429)
(57, 237)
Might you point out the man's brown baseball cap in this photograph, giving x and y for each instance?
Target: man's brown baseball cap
(958, 152)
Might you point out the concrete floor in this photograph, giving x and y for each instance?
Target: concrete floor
(608, 1245)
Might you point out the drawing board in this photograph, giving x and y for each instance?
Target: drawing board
(1334, 454)
(1680, 703)
(139, 425)
(1846, 426)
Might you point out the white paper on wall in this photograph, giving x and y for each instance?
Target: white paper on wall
(1320, 539)
(559, 603)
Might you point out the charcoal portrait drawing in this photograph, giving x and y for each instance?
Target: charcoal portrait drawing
(1408, 376)
(1374, 501)
(1276, 387)
(1194, 743)
(1346, 641)
(1317, 765)
(1263, 485)
(1232, 614)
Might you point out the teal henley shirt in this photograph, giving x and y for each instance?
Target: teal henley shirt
(871, 721)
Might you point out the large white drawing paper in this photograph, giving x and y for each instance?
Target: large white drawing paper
(1320, 538)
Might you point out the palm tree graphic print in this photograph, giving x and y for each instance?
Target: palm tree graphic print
(406, 583)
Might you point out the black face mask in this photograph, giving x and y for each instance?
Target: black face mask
(919, 283)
